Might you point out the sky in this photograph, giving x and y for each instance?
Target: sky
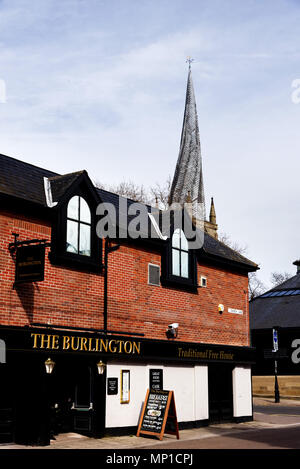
(100, 85)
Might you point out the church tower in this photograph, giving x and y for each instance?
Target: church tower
(187, 185)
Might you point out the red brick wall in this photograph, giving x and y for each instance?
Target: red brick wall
(73, 298)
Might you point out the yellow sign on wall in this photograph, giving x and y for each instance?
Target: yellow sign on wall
(84, 344)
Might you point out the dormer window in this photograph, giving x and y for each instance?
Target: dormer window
(74, 240)
(78, 239)
(180, 254)
(179, 263)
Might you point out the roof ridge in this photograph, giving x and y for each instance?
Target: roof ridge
(67, 174)
(28, 164)
(279, 288)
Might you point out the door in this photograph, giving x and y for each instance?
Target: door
(83, 408)
(6, 404)
(78, 397)
(220, 393)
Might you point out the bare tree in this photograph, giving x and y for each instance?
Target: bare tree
(155, 195)
(127, 189)
(225, 239)
(256, 286)
(160, 193)
(277, 278)
(132, 191)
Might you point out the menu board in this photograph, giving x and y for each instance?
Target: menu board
(155, 414)
(155, 411)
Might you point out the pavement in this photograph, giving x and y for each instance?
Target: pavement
(267, 415)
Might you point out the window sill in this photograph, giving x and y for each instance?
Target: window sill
(83, 263)
(180, 283)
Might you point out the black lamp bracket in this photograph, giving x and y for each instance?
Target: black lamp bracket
(12, 247)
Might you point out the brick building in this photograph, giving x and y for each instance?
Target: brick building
(147, 311)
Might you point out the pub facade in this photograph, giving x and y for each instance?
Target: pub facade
(104, 329)
(90, 321)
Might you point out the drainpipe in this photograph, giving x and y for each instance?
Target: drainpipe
(107, 249)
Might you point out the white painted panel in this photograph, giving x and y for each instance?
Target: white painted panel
(126, 415)
(242, 394)
(181, 381)
(201, 393)
(190, 386)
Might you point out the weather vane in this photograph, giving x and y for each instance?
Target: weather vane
(189, 60)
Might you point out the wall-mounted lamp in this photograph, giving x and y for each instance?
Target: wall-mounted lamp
(101, 367)
(220, 308)
(172, 331)
(49, 364)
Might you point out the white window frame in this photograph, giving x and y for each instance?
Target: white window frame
(181, 250)
(80, 222)
(202, 277)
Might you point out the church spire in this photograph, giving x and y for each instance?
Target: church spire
(212, 214)
(211, 226)
(188, 175)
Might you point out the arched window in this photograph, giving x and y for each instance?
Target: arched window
(180, 254)
(78, 227)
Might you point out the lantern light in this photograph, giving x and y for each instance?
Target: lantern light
(101, 367)
(49, 364)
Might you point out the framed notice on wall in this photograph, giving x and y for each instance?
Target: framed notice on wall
(156, 379)
(125, 386)
(112, 386)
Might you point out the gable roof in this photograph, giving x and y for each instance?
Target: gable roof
(60, 184)
(25, 181)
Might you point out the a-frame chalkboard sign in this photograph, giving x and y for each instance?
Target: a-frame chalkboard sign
(158, 415)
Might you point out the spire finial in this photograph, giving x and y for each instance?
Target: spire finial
(212, 215)
(189, 60)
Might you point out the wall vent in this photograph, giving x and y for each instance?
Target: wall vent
(153, 274)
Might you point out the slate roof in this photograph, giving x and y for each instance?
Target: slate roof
(25, 181)
(291, 283)
(215, 247)
(282, 311)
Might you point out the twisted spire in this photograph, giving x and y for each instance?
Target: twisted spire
(188, 175)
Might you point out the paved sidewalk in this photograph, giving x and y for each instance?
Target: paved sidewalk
(268, 401)
(76, 441)
(261, 421)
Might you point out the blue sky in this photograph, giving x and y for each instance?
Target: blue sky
(100, 85)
